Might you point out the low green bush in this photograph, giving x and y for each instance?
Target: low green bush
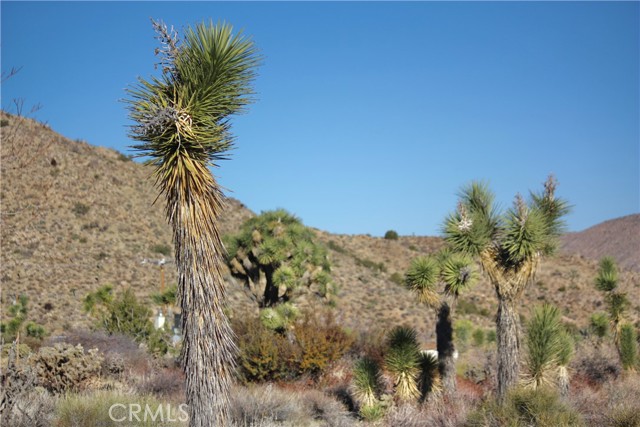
(391, 235)
(524, 408)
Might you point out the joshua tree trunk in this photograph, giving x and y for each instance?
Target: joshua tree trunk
(208, 350)
(446, 348)
(507, 331)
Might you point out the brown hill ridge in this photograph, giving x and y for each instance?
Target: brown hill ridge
(619, 238)
(76, 217)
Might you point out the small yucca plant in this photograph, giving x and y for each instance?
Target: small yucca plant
(429, 380)
(566, 350)
(628, 347)
(544, 343)
(403, 362)
(599, 324)
(366, 382)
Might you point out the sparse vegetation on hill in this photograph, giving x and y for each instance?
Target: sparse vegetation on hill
(55, 258)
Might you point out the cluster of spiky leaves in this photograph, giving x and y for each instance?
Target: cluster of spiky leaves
(617, 302)
(367, 380)
(607, 278)
(182, 116)
(453, 272)
(515, 236)
(182, 122)
(549, 347)
(429, 380)
(278, 242)
(403, 361)
(279, 318)
(629, 347)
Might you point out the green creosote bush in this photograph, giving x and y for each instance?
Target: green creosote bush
(391, 235)
(124, 314)
(80, 209)
(462, 332)
(478, 337)
(491, 336)
(161, 249)
(397, 278)
(18, 322)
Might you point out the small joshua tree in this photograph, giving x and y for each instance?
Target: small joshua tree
(438, 281)
(277, 257)
(366, 382)
(509, 246)
(616, 302)
(403, 362)
(182, 124)
(549, 349)
(628, 347)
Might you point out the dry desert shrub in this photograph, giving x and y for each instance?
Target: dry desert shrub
(613, 404)
(65, 367)
(596, 364)
(167, 383)
(121, 353)
(268, 405)
(92, 409)
(33, 409)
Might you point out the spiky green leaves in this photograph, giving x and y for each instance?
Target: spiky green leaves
(367, 379)
(423, 278)
(403, 361)
(453, 271)
(549, 346)
(517, 235)
(471, 228)
(184, 113)
(607, 278)
(458, 273)
(524, 234)
(553, 210)
(278, 247)
(628, 347)
(599, 324)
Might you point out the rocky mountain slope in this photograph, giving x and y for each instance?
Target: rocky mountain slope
(619, 238)
(76, 217)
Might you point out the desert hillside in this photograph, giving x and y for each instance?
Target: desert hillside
(76, 217)
(619, 238)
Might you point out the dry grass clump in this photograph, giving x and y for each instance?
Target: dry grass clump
(596, 364)
(34, 409)
(612, 404)
(92, 409)
(267, 405)
(167, 383)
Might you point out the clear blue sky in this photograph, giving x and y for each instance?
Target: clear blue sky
(371, 116)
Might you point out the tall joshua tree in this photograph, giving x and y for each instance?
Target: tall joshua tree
(509, 246)
(182, 123)
(438, 280)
